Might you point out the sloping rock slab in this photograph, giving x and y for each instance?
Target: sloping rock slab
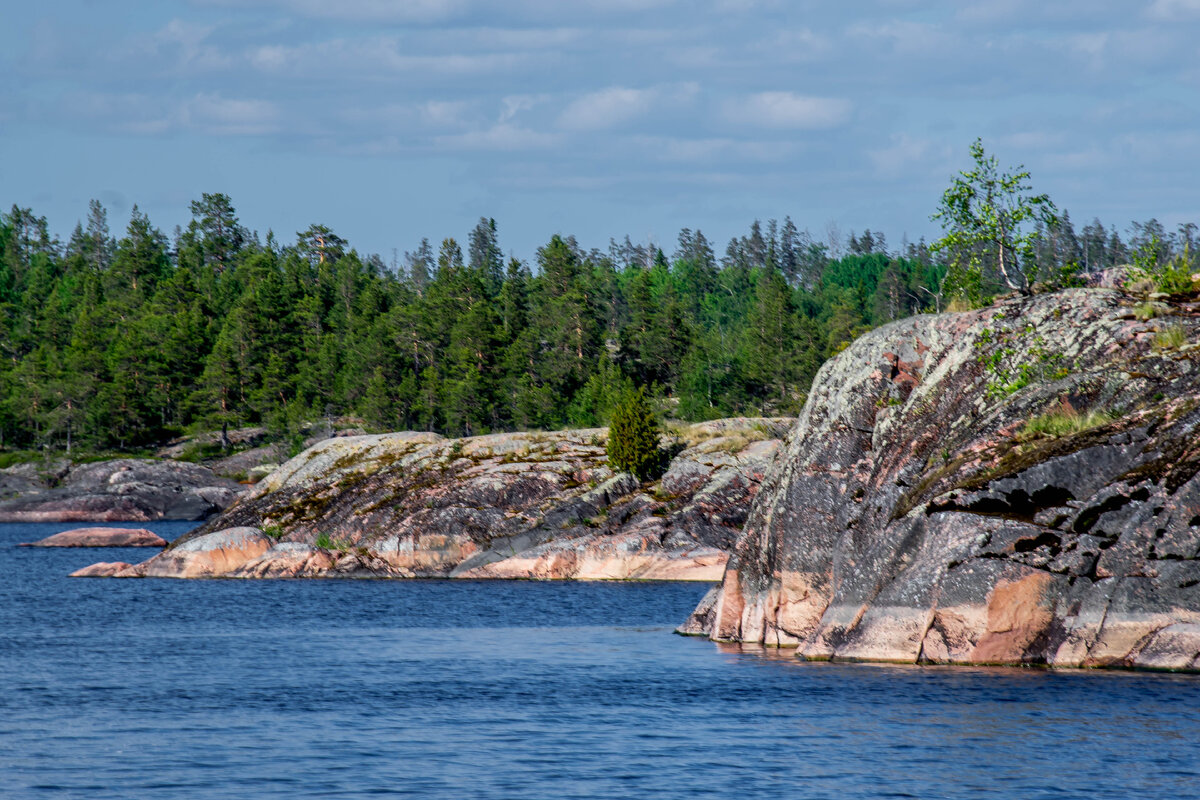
(514, 505)
(212, 555)
(101, 537)
(102, 569)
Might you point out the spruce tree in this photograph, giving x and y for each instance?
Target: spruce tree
(633, 436)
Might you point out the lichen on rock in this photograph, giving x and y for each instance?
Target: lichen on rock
(909, 518)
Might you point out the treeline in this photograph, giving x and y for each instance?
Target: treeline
(110, 342)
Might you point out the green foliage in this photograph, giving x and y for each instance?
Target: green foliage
(327, 542)
(1064, 420)
(15, 457)
(1015, 357)
(120, 342)
(1147, 310)
(273, 531)
(986, 214)
(1170, 337)
(633, 437)
(1151, 267)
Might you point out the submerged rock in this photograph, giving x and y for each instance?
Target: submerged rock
(916, 516)
(126, 490)
(101, 537)
(510, 505)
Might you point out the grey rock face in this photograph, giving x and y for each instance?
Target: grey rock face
(914, 517)
(126, 490)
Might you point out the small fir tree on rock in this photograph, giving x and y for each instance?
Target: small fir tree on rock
(633, 436)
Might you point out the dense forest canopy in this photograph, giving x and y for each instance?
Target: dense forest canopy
(120, 342)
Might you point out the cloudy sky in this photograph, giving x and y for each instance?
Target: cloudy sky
(389, 121)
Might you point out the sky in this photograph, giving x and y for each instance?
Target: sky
(393, 121)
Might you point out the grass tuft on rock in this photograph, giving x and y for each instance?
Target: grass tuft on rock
(1170, 337)
(1064, 420)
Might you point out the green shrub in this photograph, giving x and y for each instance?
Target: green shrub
(14, 457)
(327, 542)
(1150, 272)
(633, 437)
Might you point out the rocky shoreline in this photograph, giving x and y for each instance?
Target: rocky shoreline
(1014, 485)
(541, 505)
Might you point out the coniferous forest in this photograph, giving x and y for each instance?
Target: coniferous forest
(119, 340)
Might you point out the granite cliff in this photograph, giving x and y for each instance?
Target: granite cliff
(509, 505)
(1012, 485)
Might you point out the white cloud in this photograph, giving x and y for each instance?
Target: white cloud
(906, 37)
(214, 113)
(616, 105)
(443, 112)
(788, 110)
(501, 136)
(1174, 9)
(908, 155)
(801, 44)
(709, 150)
(361, 10)
(514, 104)
(204, 112)
(180, 45)
(375, 56)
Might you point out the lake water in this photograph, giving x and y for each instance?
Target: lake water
(447, 689)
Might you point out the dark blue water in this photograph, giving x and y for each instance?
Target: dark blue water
(438, 689)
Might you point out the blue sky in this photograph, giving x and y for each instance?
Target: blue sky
(389, 121)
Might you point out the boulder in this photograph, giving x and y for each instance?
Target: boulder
(101, 537)
(918, 515)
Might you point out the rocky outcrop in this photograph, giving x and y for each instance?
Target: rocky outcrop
(125, 490)
(101, 537)
(31, 477)
(209, 556)
(511, 505)
(946, 497)
(102, 569)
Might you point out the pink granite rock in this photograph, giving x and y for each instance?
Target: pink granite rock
(101, 537)
(102, 569)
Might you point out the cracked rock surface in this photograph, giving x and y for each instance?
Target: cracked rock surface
(913, 517)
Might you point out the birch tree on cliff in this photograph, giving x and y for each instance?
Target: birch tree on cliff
(986, 214)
